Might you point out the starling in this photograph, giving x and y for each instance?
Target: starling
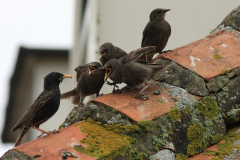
(90, 82)
(156, 33)
(43, 108)
(80, 69)
(132, 72)
(107, 51)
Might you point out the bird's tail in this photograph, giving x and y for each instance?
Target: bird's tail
(71, 95)
(23, 131)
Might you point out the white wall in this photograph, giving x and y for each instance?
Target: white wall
(122, 22)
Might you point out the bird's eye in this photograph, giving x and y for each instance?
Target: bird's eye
(95, 66)
(159, 12)
(106, 50)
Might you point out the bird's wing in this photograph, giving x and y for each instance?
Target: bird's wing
(144, 34)
(137, 53)
(40, 102)
(150, 38)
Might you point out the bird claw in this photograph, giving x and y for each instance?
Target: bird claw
(166, 51)
(48, 133)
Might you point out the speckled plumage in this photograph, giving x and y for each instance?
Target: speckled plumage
(43, 108)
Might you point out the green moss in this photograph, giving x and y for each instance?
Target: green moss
(174, 114)
(104, 142)
(181, 156)
(145, 125)
(206, 143)
(209, 153)
(132, 128)
(187, 111)
(195, 134)
(135, 155)
(225, 148)
(60, 127)
(208, 107)
(225, 71)
(224, 116)
(160, 100)
(216, 138)
(170, 131)
(217, 56)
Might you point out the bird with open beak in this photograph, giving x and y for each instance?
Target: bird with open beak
(156, 33)
(90, 82)
(132, 72)
(108, 51)
(43, 108)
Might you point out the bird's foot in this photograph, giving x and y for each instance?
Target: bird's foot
(48, 133)
(80, 105)
(166, 51)
(116, 91)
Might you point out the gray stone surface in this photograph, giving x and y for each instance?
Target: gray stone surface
(215, 84)
(15, 155)
(164, 154)
(183, 78)
(233, 19)
(229, 99)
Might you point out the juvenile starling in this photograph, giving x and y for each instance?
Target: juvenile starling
(156, 33)
(107, 51)
(90, 82)
(80, 69)
(132, 72)
(43, 108)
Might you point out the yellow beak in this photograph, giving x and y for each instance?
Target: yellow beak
(67, 76)
(91, 69)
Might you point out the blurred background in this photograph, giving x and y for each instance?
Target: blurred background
(38, 37)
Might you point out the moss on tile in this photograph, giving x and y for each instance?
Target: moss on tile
(181, 156)
(216, 56)
(104, 142)
(174, 114)
(208, 107)
(145, 125)
(225, 71)
(187, 110)
(160, 100)
(216, 138)
(195, 134)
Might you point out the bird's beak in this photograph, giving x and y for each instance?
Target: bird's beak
(101, 53)
(91, 69)
(166, 10)
(67, 76)
(108, 70)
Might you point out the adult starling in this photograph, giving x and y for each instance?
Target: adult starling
(132, 72)
(90, 82)
(156, 33)
(43, 108)
(107, 51)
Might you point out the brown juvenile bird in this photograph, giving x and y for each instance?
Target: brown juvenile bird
(90, 82)
(43, 108)
(132, 72)
(156, 33)
(107, 51)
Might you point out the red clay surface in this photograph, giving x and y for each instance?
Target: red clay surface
(50, 146)
(197, 55)
(137, 109)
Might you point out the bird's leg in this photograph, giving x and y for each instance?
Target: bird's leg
(141, 91)
(166, 51)
(44, 132)
(146, 57)
(97, 94)
(114, 85)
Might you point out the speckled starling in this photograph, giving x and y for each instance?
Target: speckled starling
(156, 33)
(43, 108)
(90, 82)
